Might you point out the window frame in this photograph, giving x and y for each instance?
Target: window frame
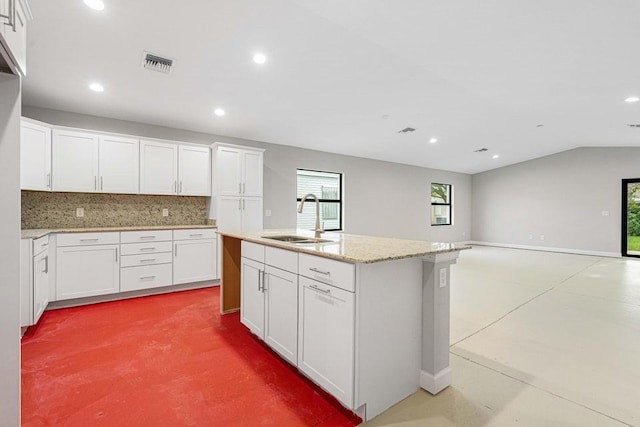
(450, 204)
(338, 202)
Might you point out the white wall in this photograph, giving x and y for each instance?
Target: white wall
(9, 250)
(561, 196)
(381, 198)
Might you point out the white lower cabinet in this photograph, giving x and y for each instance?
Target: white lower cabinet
(269, 298)
(281, 312)
(34, 279)
(326, 339)
(145, 277)
(84, 271)
(40, 284)
(194, 260)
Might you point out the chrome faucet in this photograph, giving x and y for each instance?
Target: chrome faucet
(318, 229)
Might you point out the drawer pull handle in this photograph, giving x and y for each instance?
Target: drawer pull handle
(326, 273)
(148, 260)
(89, 240)
(147, 237)
(44, 245)
(148, 278)
(326, 291)
(195, 235)
(147, 249)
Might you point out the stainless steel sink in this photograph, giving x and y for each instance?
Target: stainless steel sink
(296, 239)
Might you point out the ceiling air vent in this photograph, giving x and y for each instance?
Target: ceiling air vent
(482, 150)
(634, 125)
(406, 130)
(157, 63)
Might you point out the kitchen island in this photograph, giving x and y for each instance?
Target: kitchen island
(366, 318)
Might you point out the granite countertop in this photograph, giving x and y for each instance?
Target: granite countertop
(348, 247)
(40, 232)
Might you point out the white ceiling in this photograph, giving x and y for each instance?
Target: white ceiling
(472, 73)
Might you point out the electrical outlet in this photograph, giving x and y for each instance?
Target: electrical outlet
(267, 212)
(542, 237)
(79, 212)
(464, 233)
(605, 213)
(530, 236)
(165, 212)
(443, 277)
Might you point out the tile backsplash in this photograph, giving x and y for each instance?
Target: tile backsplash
(58, 210)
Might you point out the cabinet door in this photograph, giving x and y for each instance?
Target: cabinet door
(326, 337)
(40, 285)
(252, 174)
(15, 37)
(158, 168)
(228, 171)
(119, 165)
(194, 171)
(35, 157)
(281, 312)
(84, 271)
(75, 161)
(229, 213)
(252, 296)
(252, 213)
(26, 280)
(194, 261)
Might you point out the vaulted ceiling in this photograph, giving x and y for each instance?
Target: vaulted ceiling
(346, 76)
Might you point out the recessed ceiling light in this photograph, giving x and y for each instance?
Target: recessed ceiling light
(433, 140)
(495, 156)
(632, 99)
(96, 87)
(219, 112)
(259, 58)
(95, 4)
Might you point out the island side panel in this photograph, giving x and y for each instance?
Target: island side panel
(388, 333)
(436, 298)
(230, 278)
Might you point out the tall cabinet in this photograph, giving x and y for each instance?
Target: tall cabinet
(237, 187)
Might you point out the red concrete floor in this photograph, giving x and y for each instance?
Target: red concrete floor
(165, 360)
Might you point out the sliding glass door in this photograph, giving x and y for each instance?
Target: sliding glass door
(631, 217)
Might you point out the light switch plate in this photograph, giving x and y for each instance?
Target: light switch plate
(79, 212)
(605, 213)
(267, 212)
(165, 212)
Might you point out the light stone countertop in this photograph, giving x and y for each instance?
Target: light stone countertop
(348, 247)
(41, 232)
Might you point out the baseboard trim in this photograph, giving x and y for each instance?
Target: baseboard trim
(54, 305)
(548, 249)
(434, 384)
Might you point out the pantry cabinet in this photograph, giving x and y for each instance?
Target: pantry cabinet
(238, 171)
(239, 213)
(35, 156)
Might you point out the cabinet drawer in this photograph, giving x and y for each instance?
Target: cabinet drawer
(145, 236)
(40, 245)
(329, 271)
(252, 251)
(281, 258)
(80, 239)
(194, 234)
(144, 277)
(145, 259)
(145, 248)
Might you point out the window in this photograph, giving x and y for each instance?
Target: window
(327, 186)
(441, 204)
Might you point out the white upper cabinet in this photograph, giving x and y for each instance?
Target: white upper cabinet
(194, 170)
(252, 173)
(158, 168)
(75, 163)
(119, 165)
(13, 33)
(238, 171)
(35, 157)
(228, 171)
